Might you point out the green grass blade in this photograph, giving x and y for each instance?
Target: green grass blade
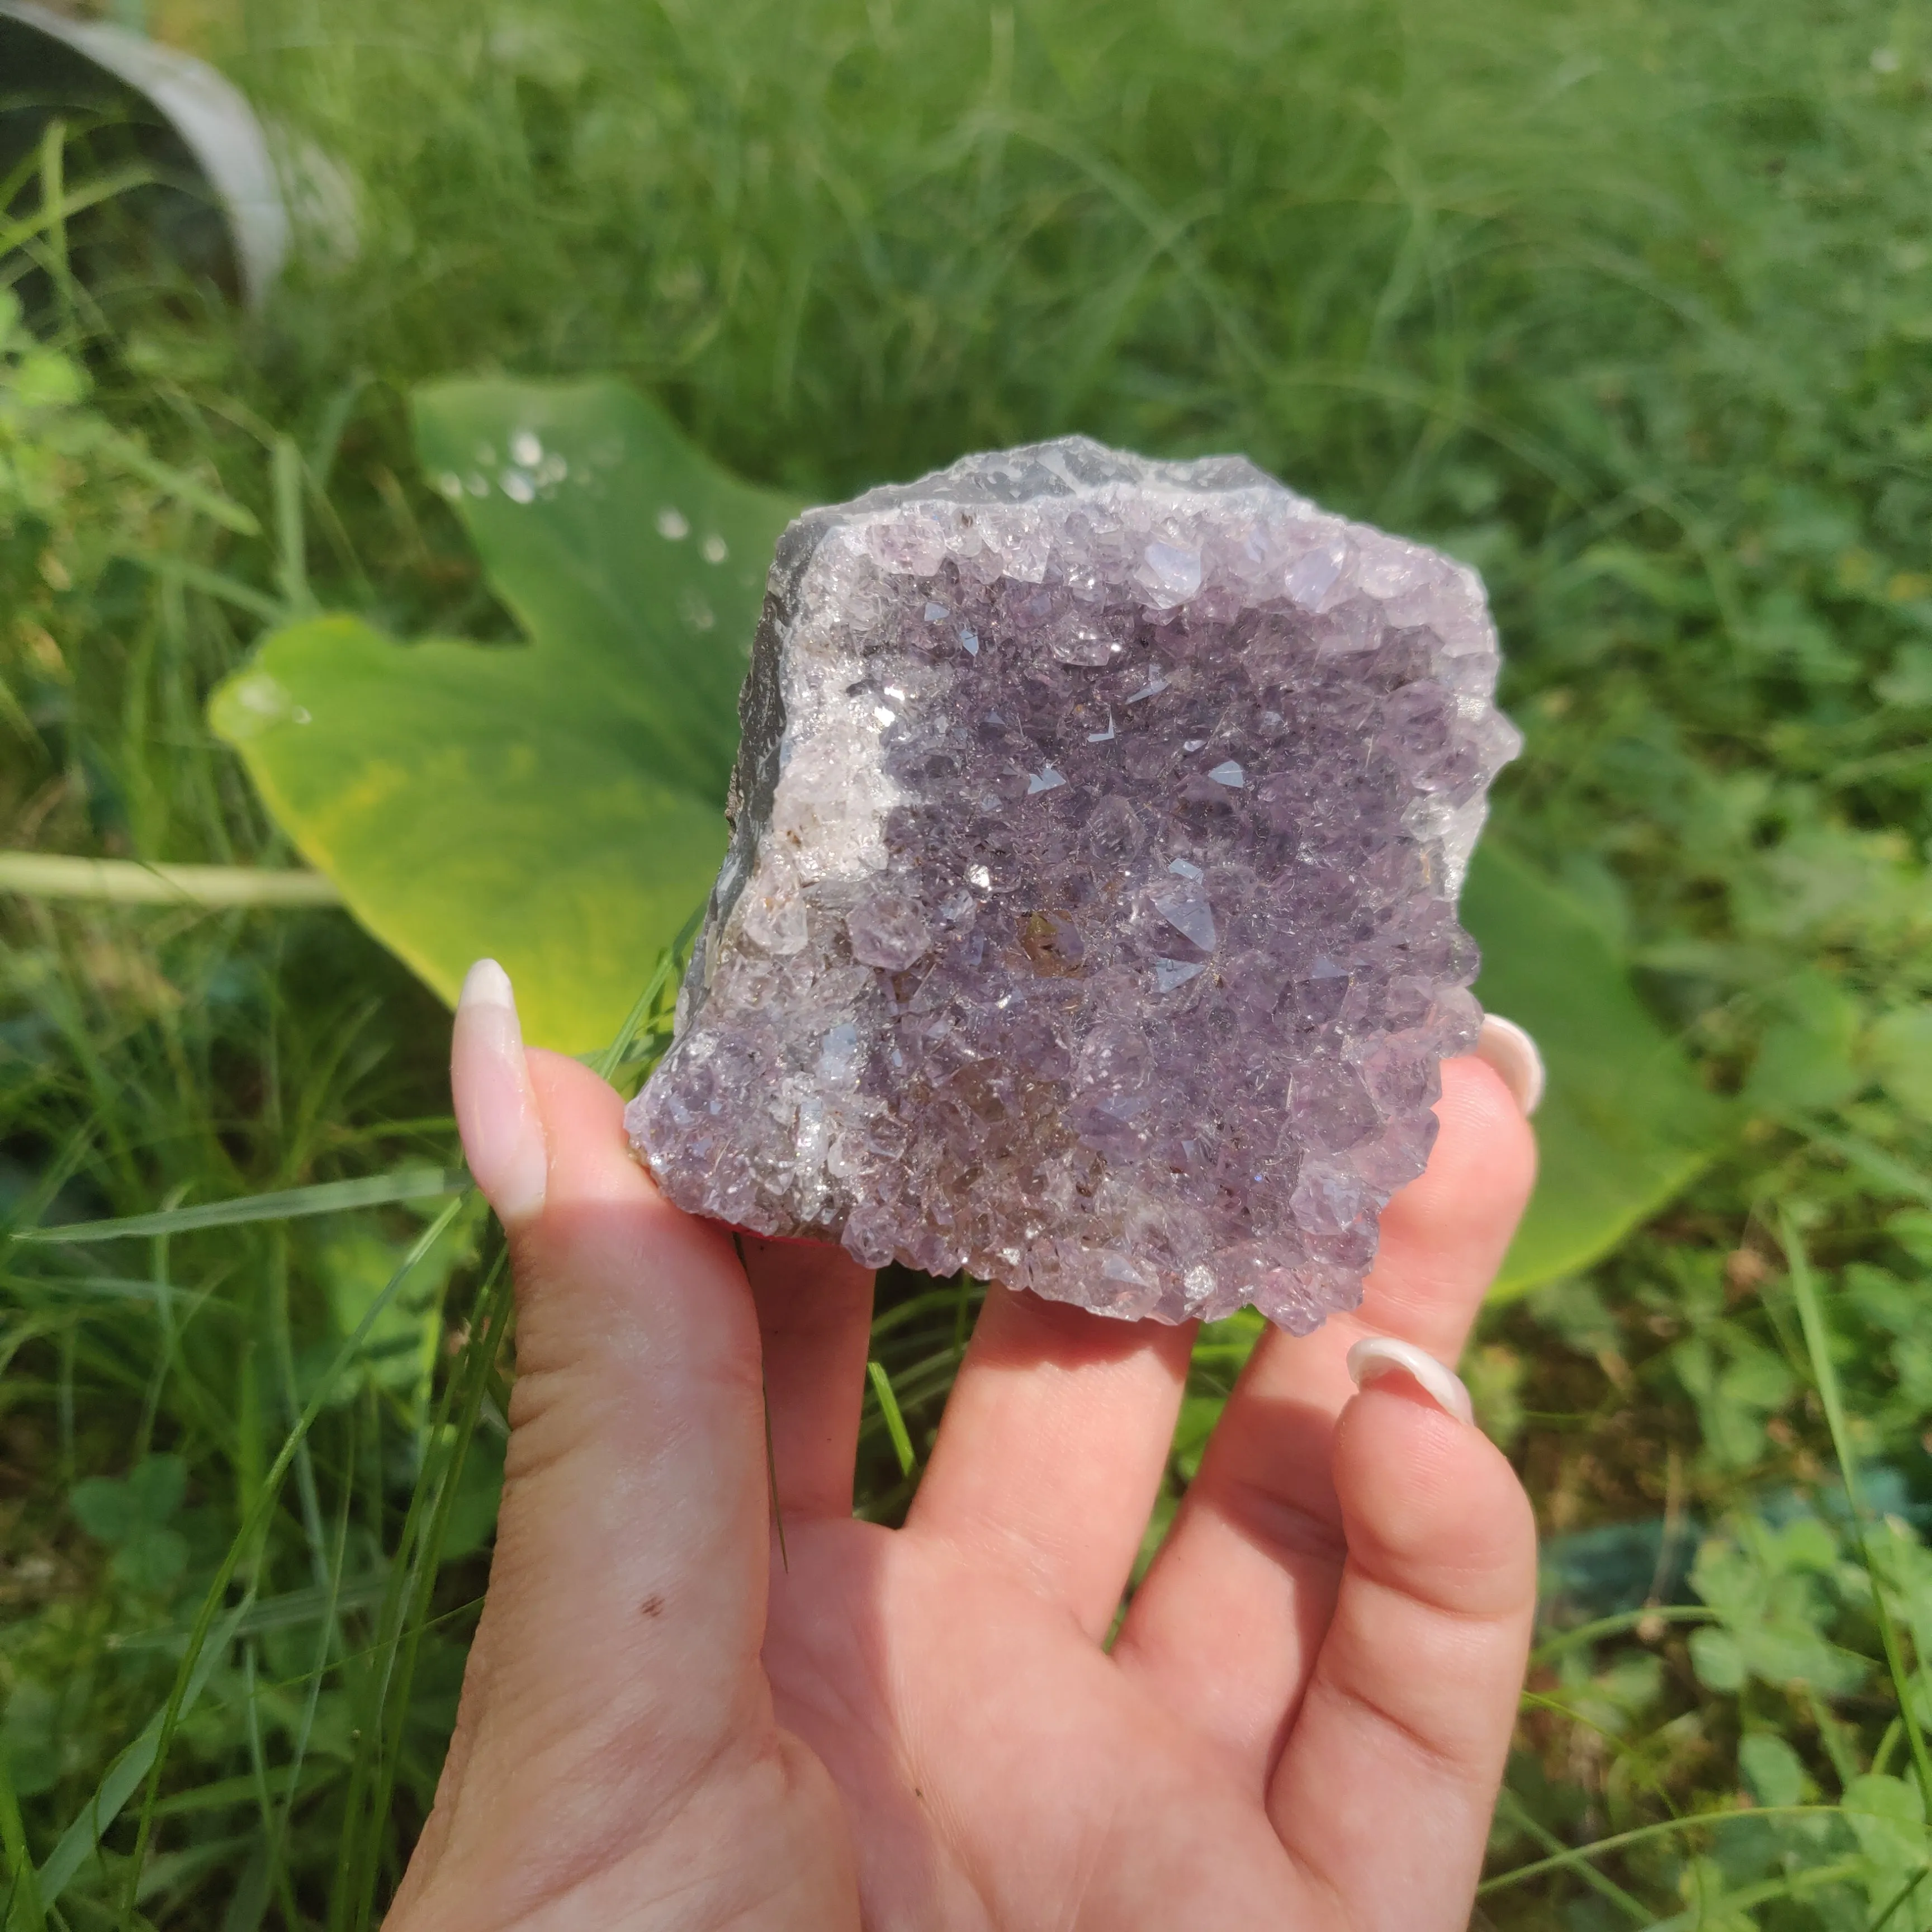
(24, 1910)
(57, 1173)
(1723, 1910)
(1627, 1758)
(292, 1609)
(1642, 1834)
(210, 583)
(53, 201)
(140, 1760)
(291, 531)
(223, 1794)
(99, 1287)
(605, 1063)
(1817, 1343)
(172, 482)
(1886, 1170)
(248, 1904)
(1898, 1899)
(1525, 1820)
(406, 1607)
(251, 1902)
(1585, 1634)
(889, 1408)
(281, 1349)
(326, 1197)
(48, 216)
(311, 1702)
(269, 1488)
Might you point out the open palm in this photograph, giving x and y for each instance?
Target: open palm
(1300, 1723)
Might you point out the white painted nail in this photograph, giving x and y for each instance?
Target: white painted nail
(1511, 1051)
(495, 1106)
(1383, 1355)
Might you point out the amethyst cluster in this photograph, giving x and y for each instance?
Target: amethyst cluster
(1089, 920)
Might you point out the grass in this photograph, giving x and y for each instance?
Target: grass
(1630, 304)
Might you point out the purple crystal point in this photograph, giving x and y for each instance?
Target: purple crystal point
(1089, 920)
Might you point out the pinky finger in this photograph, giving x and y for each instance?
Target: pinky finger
(1383, 1790)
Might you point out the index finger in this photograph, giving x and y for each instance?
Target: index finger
(627, 1595)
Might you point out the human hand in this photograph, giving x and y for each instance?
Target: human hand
(1301, 1723)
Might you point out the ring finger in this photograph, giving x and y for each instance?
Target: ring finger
(1227, 1624)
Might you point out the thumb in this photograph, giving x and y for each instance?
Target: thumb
(617, 1655)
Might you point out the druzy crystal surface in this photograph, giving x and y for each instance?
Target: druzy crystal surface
(1089, 920)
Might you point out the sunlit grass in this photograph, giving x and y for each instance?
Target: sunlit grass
(1628, 304)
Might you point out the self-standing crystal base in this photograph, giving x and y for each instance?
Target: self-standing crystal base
(1089, 920)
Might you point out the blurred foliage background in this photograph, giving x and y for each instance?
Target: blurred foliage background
(1629, 305)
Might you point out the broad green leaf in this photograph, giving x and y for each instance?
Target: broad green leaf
(640, 559)
(556, 804)
(1625, 1122)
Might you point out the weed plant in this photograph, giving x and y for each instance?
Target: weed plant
(1630, 304)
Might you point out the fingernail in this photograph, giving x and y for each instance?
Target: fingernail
(495, 1106)
(1511, 1051)
(1383, 1355)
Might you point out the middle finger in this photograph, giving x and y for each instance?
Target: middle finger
(815, 1306)
(1051, 1449)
